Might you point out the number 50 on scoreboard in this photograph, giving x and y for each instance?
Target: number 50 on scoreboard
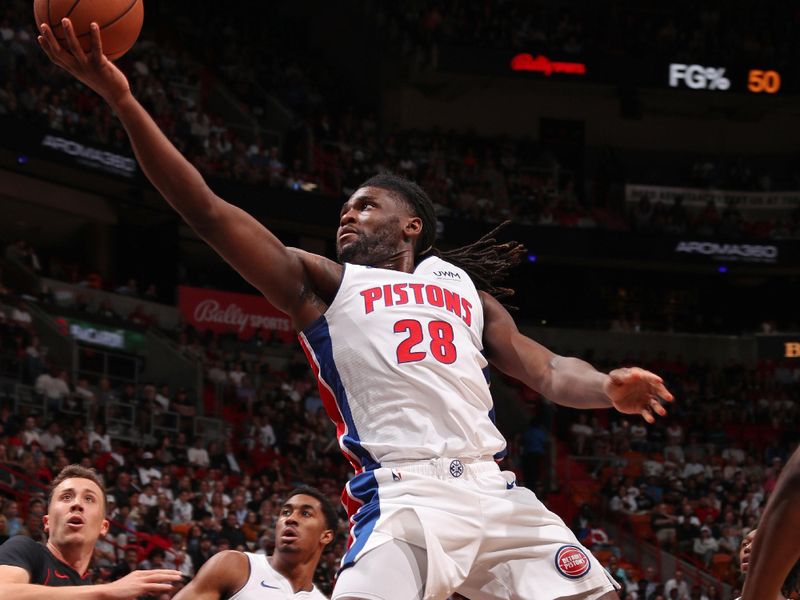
(761, 81)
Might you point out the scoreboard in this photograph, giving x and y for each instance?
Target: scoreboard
(780, 78)
(722, 79)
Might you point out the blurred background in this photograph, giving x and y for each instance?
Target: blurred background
(646, 155)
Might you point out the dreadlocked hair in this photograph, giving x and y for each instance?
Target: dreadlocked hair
(486, 261)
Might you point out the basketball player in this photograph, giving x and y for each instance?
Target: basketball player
(74, 521)
(775, 549)
(307, 523)
(791, 585)
(400, 336)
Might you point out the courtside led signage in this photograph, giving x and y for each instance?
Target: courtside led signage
(545, 66)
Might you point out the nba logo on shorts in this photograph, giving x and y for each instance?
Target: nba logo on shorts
(572, 562)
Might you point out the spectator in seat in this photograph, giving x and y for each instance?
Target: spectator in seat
(177, 556)
(665, 525)
(705, 546)
(581, 433)
(198, 455)
(677, 585)
(51, 439)
(651, 582)
(688, 527)
(147, 470)
(21, 317)
(232, 531)
(30, 433)
(204, 551)
(54, 387)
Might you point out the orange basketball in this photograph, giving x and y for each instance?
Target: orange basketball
(120, 21)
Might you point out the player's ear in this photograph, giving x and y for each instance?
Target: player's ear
(326, 537)
(104, 527)
(46, 523)
(413, 227)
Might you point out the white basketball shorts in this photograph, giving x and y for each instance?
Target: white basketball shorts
(484, 537)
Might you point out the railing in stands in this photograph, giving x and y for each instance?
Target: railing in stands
(646, 554)
(581, 480)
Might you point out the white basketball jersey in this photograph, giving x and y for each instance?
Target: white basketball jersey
(400, 365)
(265, 583)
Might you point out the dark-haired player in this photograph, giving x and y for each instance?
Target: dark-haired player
(791, 585)
(75, 519)
(401, 336)
(306, 525)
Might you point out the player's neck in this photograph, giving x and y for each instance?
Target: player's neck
(74, 556)
(402, 262)
(299, 574)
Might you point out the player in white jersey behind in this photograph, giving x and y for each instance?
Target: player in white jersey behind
(401, 337)
(306, 525)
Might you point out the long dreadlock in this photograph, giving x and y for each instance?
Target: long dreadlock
(486, 261)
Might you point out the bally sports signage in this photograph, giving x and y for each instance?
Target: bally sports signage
(228, 312)
(541, 64)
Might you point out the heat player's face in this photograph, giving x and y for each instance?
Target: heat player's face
(301, 527)
(370, 227)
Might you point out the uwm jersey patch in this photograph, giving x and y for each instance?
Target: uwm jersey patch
(400, 365)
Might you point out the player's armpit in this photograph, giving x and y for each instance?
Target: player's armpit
(288, 278)
(324, 275)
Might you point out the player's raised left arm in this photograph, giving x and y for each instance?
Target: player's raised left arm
(565, 380)
(222, 576)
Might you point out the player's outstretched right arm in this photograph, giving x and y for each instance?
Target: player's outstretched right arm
(280, 274)
(565, 380)
(14, 584)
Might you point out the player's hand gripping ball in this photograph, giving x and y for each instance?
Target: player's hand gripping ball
(120, 21)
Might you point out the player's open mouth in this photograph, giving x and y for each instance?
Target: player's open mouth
(75, 522)
(289, 535)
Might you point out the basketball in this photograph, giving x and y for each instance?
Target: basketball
(120, 21)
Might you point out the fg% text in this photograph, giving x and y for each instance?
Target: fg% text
(698, 77)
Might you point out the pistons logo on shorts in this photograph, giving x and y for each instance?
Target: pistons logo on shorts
(572, 562)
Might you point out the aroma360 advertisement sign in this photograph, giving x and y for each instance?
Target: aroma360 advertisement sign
(227, 312)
